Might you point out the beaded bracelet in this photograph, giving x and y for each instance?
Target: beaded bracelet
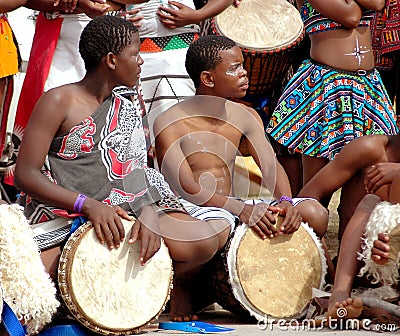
(79, 203)
(285, 198)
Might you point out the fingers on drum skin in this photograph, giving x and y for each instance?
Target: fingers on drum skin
(135, 231)
(99, 233)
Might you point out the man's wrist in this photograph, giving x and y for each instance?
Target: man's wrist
(285, 199)
(234, 206)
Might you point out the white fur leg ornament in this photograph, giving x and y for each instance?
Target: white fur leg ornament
(27, 287)
(384, 219)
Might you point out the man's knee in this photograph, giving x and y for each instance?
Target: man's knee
(315, 215)
(368, 203)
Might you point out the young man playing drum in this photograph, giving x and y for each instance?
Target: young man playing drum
(96, 146)
(198, 139)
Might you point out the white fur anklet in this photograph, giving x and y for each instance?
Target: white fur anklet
(384, 218)
(27, 288)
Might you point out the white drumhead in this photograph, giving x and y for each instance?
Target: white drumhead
(273, 278)
(263, 25)
(108, 290)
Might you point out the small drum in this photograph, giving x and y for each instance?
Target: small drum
(270, 278)
(266, 31)
(108, 291)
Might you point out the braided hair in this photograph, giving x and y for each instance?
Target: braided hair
(102, 35)
(204, 54)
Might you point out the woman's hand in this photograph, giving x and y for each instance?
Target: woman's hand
(179, 17)
(150, 241)
(106, 221)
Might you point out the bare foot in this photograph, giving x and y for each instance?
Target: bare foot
(181, 308)
(341, 308)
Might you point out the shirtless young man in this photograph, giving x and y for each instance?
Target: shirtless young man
(96, 146)
(197, 141)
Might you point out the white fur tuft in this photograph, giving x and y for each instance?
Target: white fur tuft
(27, 288)
(384, 218)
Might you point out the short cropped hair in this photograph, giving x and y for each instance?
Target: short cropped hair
(204, 54)
(102, 35)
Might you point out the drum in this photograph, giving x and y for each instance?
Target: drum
(267, 32)
(270, 278)
(108, 291)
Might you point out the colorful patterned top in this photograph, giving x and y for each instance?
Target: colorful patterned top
(315, 22)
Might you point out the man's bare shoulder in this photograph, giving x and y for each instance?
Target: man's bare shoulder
(243, 115)
(172, 119)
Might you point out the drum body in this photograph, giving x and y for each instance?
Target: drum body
(267, 32)
(271, 278)
(108, 291)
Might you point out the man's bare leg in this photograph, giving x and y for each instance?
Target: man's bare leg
(311, 166)
(50, 259)
(348, 264)
(189, 257)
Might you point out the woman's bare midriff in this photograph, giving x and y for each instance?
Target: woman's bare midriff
(344, 49)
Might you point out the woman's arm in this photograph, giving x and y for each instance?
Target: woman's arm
(10, 5)
(376, 5)
(184, 15)
(346, 12)
(91, 8)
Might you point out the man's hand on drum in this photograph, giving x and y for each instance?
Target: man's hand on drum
(260, 219)
(179, 17)
(106, 221)
(144, 228)
(292, 218)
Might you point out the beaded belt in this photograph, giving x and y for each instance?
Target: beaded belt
(360, 72)
(172, 42)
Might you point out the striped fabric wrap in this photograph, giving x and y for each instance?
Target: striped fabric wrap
(322, 109)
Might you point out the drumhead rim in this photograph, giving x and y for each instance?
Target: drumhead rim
(296, 38)
(72, 303)
(238, 291)
(276, 49)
